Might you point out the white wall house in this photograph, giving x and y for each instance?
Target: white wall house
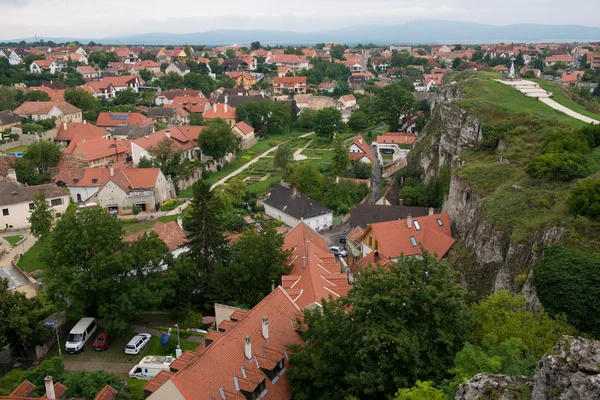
(16, 202)
(291, 207)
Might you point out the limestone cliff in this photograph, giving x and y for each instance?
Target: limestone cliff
(499, 387)
(486, 256)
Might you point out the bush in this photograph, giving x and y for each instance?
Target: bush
(585, 199)
(561, 166)
(219, 167)
(274, 143)
(170, 205)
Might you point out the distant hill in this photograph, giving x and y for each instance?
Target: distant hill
(413, 32)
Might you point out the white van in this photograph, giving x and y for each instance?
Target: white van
(81, 333)
(150, 366)
(137, 343)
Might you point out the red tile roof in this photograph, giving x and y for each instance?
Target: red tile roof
(244, 128)
(55, 95)
(219, 110)
(113, 119)
(184, 137)
(287, 59)
(24, 389)
(121, 81)
(158, 380)
(107, 393)
(315, 277)
(86, 69)
(69, 130)
(44, 107)
(363, 146)
(96, 148)
(59, 391)
(289, 80)
(215, 370)
(394, 240)
(397, 138)
(170, 233)
(235, 75)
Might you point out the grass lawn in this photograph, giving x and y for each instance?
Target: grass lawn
(136, 390)
(560, 95)
(31, 259)
(263, 186)
(13, 240)
(17, 149)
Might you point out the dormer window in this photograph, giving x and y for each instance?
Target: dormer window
(413, 241)
(439, 221)
(94, 180)
(417, 226)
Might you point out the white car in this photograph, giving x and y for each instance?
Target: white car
(338, 252)
(137, 343)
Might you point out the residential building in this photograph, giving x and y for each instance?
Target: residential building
(346, 102)
(245, 358)
(110, 120)
(194, 104)
(406, 237)
(397, 142)
(327, 87)
(55, 94)
(222, 111)
(13, 57)
(390, 195)
(16, 202)
(184, 138)
(566, 59)
(180, 68)
(246, 134)
(235, 65)
(594, 60)
(57, 390)
(100, 89)
(291, 61)
(360, 150)
(284, 71)
(363, 215)
(8, 119)
(95, 152)
(242, 79)
(168, 96)
(381, 64)
(40, 110)
(147, 65)
(131, 132)
(291, 207)
(121, 83)
(87, 72)
(169, 232)
(315, 275)
(50, 65)
(289, 85)
(67, 131)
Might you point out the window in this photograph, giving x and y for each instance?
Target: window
(439, 221)
(376, 245)
(56, 202)
(31, 206)
(5, 211)
(370, 241)
(417, 226)
(413, 241)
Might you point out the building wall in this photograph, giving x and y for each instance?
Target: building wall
(84, 192)
(111, 194)
(137, 153)
(18, 213)
(320, 222)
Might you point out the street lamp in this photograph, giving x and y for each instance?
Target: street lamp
(55, 326)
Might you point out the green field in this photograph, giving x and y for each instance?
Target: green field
(139, 226)
(31, 259)
(13, 240)
(563, 96)
(16, 149)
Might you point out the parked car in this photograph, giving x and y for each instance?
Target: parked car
(103, 341)
(137, 343)
(343, 238)
(338, 252)
(80, 335)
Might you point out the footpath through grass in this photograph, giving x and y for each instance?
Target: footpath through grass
(562, 96)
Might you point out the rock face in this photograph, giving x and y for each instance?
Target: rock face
(497, 387)
(570, 372)
(495, 262)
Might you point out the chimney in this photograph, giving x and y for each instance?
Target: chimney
(409, 221)
(360, 139)
(180, 222)
(168, 133)
(64, 126)
(49, 388)
(303, 262)
(265, 328)
(431, 211)
(225, 107)
(307, 251)
(247, 348)
(111, 169)
(401, 201)
(226, 98)
(84, 121)
(215, 107)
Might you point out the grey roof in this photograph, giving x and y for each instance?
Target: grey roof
(158, 112)
(297, 205)
(12, 193)
(132, 131)
(391, 193)
(8, 118)
(182, 66)
(365, 214)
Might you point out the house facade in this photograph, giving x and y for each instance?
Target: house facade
(16, 202)
(291, 207)
(246, 134)
(40, 110)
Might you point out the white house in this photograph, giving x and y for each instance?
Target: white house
(291, 207)
(51, 65)
(39, 110)
(360, 150)
(16, 202)
(13, 57)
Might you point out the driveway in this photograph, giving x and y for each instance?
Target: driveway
(376, 179)
(88, 366)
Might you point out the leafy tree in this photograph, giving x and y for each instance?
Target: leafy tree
(145, 163)
(146, 75)
(127, 96)
(196, 119)
(392, 102)
(172, 80)
(264, 115)
(196, 81)
(563, 166)
(10, 98)
(88, 263)
(396, 326)
(255, 45)
(36, 95)
(166, 157)
(358, 121)
(584, 199)
(81, 99)
(258, 261)
(328, 122)
(337, 52)
(360, 170)
(102, 58)
(230, 54)
(33, 167)
(456, 63)
(306, 120)
(41, 217)
(566, 281)
(307, 179)
(421, 391)
(20, 325)
(340, 159)
(342, 196)
(284, 156)
(217, 140)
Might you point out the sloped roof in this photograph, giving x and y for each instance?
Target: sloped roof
(55, 94)
(244, 128)
(170, 233)
(363, 146)
(294, 203)
(112, 119)
(315, 273)
(391, 193)
(394, 240)
(211, 370)
(44, 107)
(69, 130)
(12, 193)
(8, 118)
(221, 111)
(365, 214)
(96, 148)
(289, 80)
(184, 137)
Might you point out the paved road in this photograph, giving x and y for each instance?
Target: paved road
(88, 366)
(568, 111)
(376, 179)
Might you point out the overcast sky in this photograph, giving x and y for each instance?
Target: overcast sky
(101, 18)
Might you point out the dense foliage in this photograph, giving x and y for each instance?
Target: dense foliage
(33, 167)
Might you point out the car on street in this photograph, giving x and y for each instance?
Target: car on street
(338, 252)
(103, 341)
(137, 343)
(343, 238)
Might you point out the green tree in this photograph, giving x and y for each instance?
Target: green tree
(564, 166)
(87, 262)
(255, 45)
(127, 96)
(33, 167)
(456, 63)
(10, 98)
(258, 261)
(264, 115)
(146, 75)
(307, 179)
(81, 99)
(342, 196)
(284, 156)
(36, 95)
(337, 52)
(340, 160)
(328, 122)
(170, 81)
(196, 119)
(217, 140)
(20, 325)
(421, 391)
(306, 120)
(360, 170)
(397, 325)
(230, 54)
(196, 81)
(166, 157)
(392, 102)
(358, 121)
(41, 217)
(584, 199)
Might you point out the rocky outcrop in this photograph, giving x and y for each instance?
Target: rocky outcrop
(497, 387)
(570, 372)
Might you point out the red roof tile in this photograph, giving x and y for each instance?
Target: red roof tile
(219, 110)
(24, 389)
(69, 130)
(397, 138)
(183, 137)
(96, 148)
(107, 393)
(44, 107)
(170, 233)
(289, 80)
(365, 149)
(113, 119)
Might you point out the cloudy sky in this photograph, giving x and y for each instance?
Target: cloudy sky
(101, 18)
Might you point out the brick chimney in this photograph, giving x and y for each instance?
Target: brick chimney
(401, 201)
(409, 221)
(49, 384)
